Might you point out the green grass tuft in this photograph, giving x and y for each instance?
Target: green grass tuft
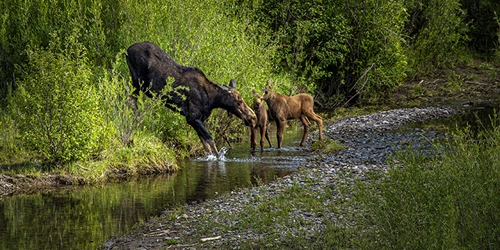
(328, 146)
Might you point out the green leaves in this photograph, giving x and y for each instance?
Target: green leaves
(57, 107)
(438, 34)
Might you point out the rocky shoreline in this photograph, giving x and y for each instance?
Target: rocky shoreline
(369, 139)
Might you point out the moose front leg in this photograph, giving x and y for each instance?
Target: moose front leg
(253, 138)
(205, 137)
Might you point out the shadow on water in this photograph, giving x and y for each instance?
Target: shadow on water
(84, 218)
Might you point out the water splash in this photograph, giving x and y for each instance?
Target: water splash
(211, 157)
(222, 154)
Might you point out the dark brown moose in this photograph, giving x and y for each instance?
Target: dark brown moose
(283, 108)
(259, 107)
(193, 95)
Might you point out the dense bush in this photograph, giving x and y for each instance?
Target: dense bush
(437, 34)
(56, 106)
(350, 51)
(483, 19)
(341, 49)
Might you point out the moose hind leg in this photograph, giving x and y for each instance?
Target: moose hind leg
(266, 132)
(279, 132)
(306, 124)
(318, 121)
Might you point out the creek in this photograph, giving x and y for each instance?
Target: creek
(84, 218)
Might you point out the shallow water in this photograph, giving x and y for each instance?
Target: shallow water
(86, 217)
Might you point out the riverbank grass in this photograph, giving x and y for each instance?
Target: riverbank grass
(148, 156)
(447, 202)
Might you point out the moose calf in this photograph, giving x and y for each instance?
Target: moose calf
(259, 107)
(283, 108)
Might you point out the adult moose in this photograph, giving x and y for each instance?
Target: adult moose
(283, 108)
(193, 95)
(263, 115)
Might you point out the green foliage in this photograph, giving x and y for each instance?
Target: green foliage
(447, 202)
(437, 34)
(11, 153)
(341, 49)
(56, 107)
(377, 63)
(31, 23)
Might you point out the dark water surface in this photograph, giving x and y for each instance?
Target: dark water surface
(86, 217)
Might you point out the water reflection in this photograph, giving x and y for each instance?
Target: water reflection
(86, 217)
(476, 118)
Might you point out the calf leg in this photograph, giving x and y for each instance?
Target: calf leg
(318, 121)
(253, 138)
(262, 134)
(279, 132)
(267, 135)
(306, 124)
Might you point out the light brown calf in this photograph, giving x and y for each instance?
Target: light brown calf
(259, 107)
(283, 108)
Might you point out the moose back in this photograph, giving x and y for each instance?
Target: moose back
(150, 67)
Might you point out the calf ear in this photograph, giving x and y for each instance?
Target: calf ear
(255, 94)
(232, 84)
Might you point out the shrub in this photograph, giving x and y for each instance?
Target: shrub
(56, 105)
(437, 34)
(342, 50)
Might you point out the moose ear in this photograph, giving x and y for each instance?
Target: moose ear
(255, 93)
(232, 84)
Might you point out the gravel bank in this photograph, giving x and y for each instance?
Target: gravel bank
(369, 140)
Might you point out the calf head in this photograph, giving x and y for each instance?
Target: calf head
(269, 93)
(235, 104)
(258, 101)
